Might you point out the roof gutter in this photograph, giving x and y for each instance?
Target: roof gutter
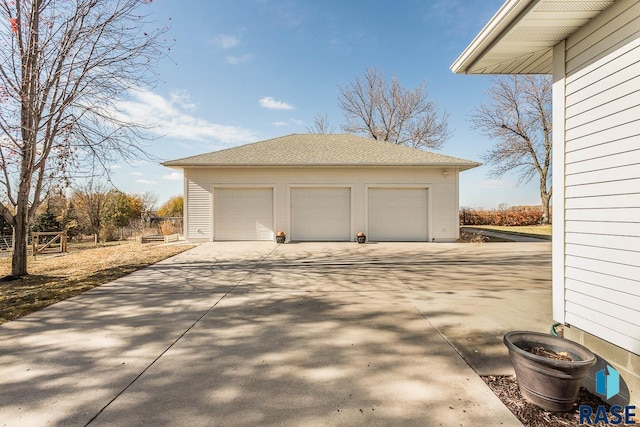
(461, 166)
(506, 18)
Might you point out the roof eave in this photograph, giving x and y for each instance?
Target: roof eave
(461, 166)
(506, 17)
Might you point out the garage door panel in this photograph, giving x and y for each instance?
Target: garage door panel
(243, 214)
(397, 214)
(321, 214)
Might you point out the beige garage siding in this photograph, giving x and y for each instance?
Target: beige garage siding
(443, 193)
(198, 220)
(320, 214)
(243, 214)
(398, 214)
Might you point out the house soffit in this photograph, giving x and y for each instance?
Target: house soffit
(519, 39)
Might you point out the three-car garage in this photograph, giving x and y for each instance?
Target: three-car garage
(321, 188)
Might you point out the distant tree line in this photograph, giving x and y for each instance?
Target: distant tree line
(509, 216)
(102, 211)
(172, 208)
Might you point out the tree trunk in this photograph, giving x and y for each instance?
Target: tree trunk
(21, 231)
(546, 216)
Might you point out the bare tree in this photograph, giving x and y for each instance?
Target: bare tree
(149, 202)
(91, 202)
(321, 125)
(518, 118)
(63, 67)
(388, 112)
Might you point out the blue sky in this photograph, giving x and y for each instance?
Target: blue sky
(247, 70)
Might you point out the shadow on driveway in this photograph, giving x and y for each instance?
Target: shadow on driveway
(259, 334)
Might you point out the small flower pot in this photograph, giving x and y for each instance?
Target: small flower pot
(280, 237)
(361, 238)
(548, 383)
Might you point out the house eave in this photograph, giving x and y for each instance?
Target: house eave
(492, 32)
(520, 37)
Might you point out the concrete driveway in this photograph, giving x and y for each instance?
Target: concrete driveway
(237, 334)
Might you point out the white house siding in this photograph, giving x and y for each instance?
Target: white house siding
(602, 177)
(443, 190)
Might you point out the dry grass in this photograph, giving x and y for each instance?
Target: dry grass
(536, 230)
(56, 277)
(469, 237)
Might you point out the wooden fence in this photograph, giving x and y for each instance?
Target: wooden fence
(49, 242)
(158, 238)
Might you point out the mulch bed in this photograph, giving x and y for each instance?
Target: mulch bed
(506, 388)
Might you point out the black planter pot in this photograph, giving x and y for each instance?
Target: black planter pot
(550, 384)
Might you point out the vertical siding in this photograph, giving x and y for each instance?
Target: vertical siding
(602, 177)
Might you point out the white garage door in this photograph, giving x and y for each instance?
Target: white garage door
(243, 213)
(398, 214)
(321, 214)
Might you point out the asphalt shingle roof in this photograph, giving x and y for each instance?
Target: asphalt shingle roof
(321, 150)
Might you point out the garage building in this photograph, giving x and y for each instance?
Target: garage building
(316, 187)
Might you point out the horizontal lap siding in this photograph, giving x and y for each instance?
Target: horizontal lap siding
(199, 220)
(602, 177)
(443, 202)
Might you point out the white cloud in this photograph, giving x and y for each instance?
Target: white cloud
(182, 99)
(235, 60)
(145, 181)
(272, 104)
(174, 118)
(136, 173)
(294, 122)
(175, 176)
(225, 41)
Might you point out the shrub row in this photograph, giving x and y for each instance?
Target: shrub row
(516, 215)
